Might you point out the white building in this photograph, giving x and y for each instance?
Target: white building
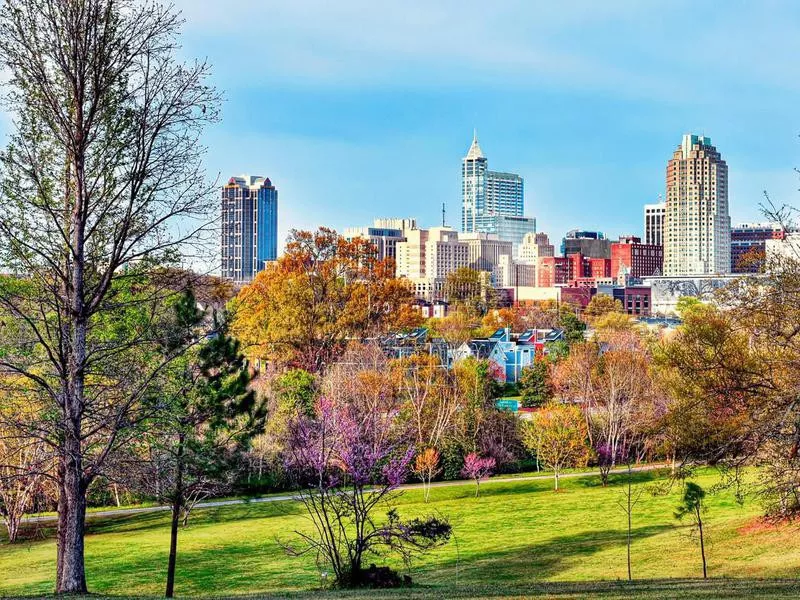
(777, 250)
(384, 235)
(654, 223)
(427, 256)
(697, 228)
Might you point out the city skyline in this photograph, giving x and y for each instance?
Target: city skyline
(559, 94)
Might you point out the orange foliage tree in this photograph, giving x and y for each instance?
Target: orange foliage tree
(558, 437)
(302, 309)
(426, 467)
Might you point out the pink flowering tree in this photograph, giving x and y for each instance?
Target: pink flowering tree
(346, 465)
(478, 468)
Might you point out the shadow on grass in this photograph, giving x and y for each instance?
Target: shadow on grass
(536, 561)
(662, 589)
(145, 521)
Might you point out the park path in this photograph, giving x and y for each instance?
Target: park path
(120, 512)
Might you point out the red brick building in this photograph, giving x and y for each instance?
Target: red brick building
(636, 300)
(638, 259)
(567, 270)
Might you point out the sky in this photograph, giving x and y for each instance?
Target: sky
(358, 109)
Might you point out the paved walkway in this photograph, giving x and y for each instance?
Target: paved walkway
(120, 512)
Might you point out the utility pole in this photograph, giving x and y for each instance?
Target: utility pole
(443, 214)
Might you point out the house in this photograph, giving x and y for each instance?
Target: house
(508, 352)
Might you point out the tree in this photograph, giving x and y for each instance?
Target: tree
(622, 389)
(692, 506)
(573, 327)
(301, 310)
(498, 318)
(602, 304)
(612, 321)
(456, 328)
(630, 499)
(24, 471)
(471, 290)
(101, 181)
(574, 378)
(208, 417)
(557, 435)
(535, 383)
(477, 468)
(477, 390)
(428, 396)
(426, 467)
(346, 465)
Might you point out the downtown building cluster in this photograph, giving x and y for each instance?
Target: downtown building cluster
(687, 246)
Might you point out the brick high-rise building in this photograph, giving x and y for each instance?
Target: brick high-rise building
(697, 228)
(748, 245)
(631, 257)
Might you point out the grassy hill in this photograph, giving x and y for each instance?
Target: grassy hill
(516, 539)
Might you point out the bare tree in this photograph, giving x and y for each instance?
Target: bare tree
(22, 468)
(101, 181)
(630, 498)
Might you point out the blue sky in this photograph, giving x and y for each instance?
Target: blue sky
(358, 109)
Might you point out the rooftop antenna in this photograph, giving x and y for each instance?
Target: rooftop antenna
(443, 214)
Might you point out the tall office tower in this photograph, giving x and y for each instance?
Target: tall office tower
(654, 223)
(697, 228)
(249, 226)
(487, 195)
(588, 243)
(748, 245)
(473, 185)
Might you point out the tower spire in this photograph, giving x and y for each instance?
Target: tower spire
(475, 149)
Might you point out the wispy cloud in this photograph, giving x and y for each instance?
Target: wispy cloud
(633, 48)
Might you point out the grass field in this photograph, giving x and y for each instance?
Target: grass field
(517, 539)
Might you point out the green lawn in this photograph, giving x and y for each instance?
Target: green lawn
(512, 540)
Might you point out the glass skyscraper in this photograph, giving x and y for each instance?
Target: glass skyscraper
(487, 195)
(249, 226)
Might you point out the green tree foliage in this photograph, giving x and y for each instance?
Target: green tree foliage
(296, 390)
(693, 507)
(535, 383)
(205, 417)
(573, 327)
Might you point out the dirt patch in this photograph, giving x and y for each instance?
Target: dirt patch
(766, 525)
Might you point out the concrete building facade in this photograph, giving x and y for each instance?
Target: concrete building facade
(697, 228)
